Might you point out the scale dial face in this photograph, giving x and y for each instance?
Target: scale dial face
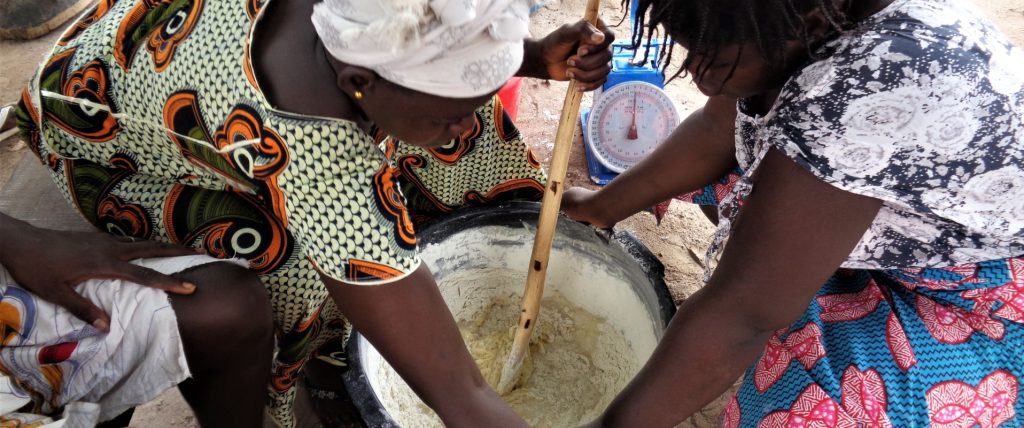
(628, 122)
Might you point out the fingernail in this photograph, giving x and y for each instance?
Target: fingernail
(101, 325)
(190, 287)
(572, 63)
(597, 37)
(569, 74)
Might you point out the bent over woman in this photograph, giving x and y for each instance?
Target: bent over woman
(868, 268)
(281, 133)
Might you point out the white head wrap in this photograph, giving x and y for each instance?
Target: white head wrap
(449, 48)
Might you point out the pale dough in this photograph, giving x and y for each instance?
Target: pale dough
(577, 361)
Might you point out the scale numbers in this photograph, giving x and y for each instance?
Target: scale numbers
(628, 122)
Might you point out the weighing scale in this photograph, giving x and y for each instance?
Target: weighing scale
(631, 113)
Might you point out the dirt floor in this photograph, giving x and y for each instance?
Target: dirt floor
(680, 240)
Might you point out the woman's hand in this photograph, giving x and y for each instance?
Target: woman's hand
(581, 205)
(51, 263)
(781, 250)
(412, 328)
(574, 51)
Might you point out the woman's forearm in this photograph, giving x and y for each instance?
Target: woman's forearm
(698, 152)
(409, 323)
(704, 351)
(11, 230)
(781, 249)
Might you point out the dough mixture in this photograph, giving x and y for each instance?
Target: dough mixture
(576, 365)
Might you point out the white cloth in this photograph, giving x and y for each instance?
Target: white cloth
(449, 48)
(64, 360)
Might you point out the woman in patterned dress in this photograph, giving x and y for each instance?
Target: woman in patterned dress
(249, 130)
(873, 275)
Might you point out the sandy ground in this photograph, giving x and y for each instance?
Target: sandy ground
(680, 240)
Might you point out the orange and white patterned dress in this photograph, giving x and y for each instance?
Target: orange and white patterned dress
(151, 119)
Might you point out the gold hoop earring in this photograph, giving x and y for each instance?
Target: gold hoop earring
(358, 95)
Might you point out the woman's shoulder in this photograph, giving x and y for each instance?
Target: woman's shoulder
(942, 50)
(321, 140)
(919, 32)
(921, 102)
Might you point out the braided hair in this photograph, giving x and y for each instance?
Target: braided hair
(706, 26)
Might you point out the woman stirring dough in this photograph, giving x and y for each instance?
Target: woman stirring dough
(869, 266)
(280, 133)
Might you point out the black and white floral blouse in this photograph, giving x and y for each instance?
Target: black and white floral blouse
(922, 107)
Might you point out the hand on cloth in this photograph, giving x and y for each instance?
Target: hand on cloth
(50, 263)
(573, 51)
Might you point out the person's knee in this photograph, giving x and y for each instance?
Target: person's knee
(230, 305)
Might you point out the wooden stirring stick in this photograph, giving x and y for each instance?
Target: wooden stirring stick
(545, 227)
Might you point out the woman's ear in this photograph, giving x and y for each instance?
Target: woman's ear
(356, 81)
(817, 25)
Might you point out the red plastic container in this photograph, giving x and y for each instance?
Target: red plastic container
(509, 95)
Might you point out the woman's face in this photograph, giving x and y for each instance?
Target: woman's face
(750, 73)
(420, 119)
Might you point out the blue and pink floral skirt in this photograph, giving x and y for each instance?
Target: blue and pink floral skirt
(893, 348)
